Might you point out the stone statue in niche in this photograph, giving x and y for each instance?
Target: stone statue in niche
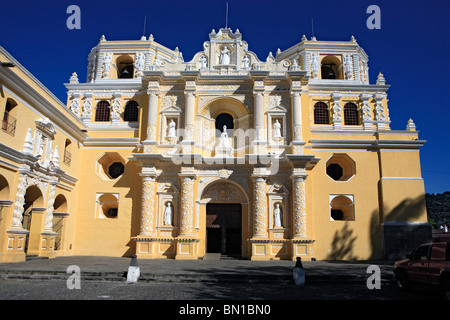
(203, 62)
(168, 215)
(246, 62)
(224, 56)
(277, 216)
(140, 64)
(348, 66)
(315, 65)
(224, 138)
(276, 129)
(171, 133)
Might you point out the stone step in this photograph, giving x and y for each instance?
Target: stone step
(30, 257)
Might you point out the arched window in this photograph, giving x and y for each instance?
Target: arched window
(131, 111)
(227, 120)
(321, 115)
(331, 68)
(125, 68)
(351, 117)
(9, 122)
(342, 208)
(103, 111)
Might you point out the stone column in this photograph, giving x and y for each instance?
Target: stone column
(259, 207)
(298, 207)
(189, 114)
(148, 205)
(152, 115)
(152, 122)
(19, 202)
(187, 241)
(187, 206)
(296, 115)
(259, 115)
(48, 236)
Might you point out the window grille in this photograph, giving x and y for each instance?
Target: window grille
(67, 157)
(321, 115)
(131, 111)
(351, 117)
(103, 111)
(9, 124)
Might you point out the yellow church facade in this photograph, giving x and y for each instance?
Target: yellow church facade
(291, 156)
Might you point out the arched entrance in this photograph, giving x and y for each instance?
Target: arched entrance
(224, 228)
(226, 207)
(33, 218)
(59, 214)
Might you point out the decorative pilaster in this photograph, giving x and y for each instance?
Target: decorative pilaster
(148, 205)
(187, 206)
(367, 117)
(259, 142)
(19, 202)
(189, 116)
(48, 222)
(380, 116)
(75, 104)
(86, 111)
(298, 206)
(259, 115)
(337, 110)
(296, 115)
(259, 207)
(152, 118)
(187, 242)
(115, 109)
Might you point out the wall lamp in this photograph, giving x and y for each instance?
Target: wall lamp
(7, 64)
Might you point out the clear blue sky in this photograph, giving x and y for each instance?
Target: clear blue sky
(412, 48)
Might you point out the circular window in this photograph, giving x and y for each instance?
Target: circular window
(116, 169)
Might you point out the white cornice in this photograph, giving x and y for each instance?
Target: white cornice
(51, 109)
(367, 144)
(111, 142)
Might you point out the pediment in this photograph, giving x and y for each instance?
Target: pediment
(278, 188)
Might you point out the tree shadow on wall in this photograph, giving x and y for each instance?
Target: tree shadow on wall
(410, 209)
(343, 243)
(344, 240)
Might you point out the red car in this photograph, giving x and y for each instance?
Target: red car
(428, 264)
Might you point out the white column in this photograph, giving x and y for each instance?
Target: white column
(187, 206)
(189, 115)
(148, 205)
(298, 207)
(296, 115)
(152, 115)
(259, 115)
(259, 207)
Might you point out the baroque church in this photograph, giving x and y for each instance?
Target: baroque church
(285, 157)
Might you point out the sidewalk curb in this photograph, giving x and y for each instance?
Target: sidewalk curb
(187, 278)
